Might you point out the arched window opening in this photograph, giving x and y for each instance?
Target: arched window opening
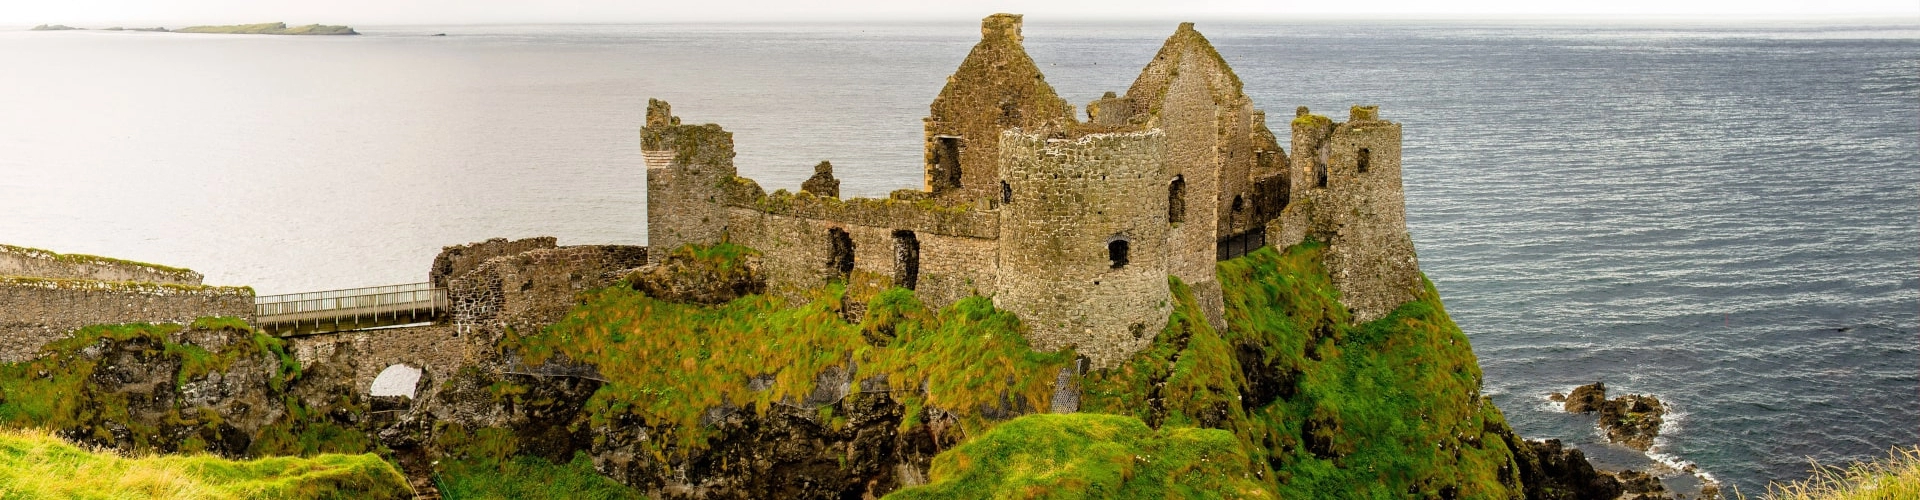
(1006, 192)
(1239, 203)
(1177, 200)
(1117, 253)
(1365, 158)
(840, 252)
(906, 259)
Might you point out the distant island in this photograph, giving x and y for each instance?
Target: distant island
(235, 29)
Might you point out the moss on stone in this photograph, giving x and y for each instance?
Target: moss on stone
(74, 258)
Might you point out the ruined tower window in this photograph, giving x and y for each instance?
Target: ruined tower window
(946, 160)
(1239, 203)
(1006, 192)
(906, 259)
(1177, 200)
(840, 254)
(1365, 158)
(1320, 174)
(1117, 252)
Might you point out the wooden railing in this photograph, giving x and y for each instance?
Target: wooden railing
(351, 309)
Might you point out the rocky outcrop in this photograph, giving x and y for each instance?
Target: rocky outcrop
(1632, 420)
(822, 183)
(714, 275)
(1552, 471)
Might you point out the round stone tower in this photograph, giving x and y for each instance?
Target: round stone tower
(1083, 240)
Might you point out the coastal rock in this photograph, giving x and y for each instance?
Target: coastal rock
(691, 276)
(1632, 420)
(822, 183)
(1641, 486)
(1551, 471)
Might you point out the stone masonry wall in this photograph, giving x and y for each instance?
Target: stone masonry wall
(37, 263)
(1071, 201)
(459, 259)
(529, 290)
(997, 87)
(36, 311)
(796, 251)
(1361, 215)
(688, 168)
(438, 350)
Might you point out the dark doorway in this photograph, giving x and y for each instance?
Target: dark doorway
(906, 259)
(840, 252)
(1006, 192)
(946, 162)
(1320, 173)
(1117, 253)
(1366, 157)
(1177, 200)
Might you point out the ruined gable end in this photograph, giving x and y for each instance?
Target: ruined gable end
(997, 87)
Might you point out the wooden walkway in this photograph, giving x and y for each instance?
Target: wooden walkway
(352, 309)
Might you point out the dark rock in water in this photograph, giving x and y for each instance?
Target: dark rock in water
(1587, 398)
(822, 183)
(1557, 397)
(1633, 420)
(439, 34)
(1551, 471)
(685, 277)
(1642, 486)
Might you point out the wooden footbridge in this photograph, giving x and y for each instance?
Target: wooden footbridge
(351, 309)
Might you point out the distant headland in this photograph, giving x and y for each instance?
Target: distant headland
(234, 29)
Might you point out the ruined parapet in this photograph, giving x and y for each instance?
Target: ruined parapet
(530, 290)
(822, 183)
(459, 259)
(686, 192)
(36, 311)
(1110, 111)
(1083, 241)
(1352, 198)
(996, 88)
(37, 263)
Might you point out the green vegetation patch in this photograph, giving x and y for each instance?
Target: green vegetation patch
(528, 477)
(668, 363)
(1325, 408)
(37, 465)
(1892, 477)
(1086, 455)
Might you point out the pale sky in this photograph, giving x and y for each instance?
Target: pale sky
(94, 13)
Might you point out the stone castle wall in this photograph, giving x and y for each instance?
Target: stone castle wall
(689, 170)
(797, 251)
(37, 263)
(36, 311)
(1071, 202)
(459, 259)
(438, 350)
(1360, 214)
(532, 289)
(996, 87)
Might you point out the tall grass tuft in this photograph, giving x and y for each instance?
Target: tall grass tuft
(1894, 477)
(35, 464)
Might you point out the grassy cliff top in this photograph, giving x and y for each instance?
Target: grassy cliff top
(270, 29)
(35, 464)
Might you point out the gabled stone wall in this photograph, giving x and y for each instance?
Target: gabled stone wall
(996, 88)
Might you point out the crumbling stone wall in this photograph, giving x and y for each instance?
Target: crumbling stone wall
(996, 88)
(35, 311)
(1083, 247)
(459, 259)
(952, 264)
(1360, 214)
(37, 263)
(689, 184)
(532, 289)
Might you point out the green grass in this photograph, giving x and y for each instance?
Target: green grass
(1087, 455)
(1386, 409)
(529, 478)
(37, 465)
(669, 362)
(1894, 477)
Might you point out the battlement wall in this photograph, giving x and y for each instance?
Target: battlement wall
(459, 259)
(38, 310)
(37, 263)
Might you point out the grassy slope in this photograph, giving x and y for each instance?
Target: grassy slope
(1090, 455)
(1894, 477)
(38, 465)
(528, 477)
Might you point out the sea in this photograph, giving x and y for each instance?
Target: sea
(1725, 215)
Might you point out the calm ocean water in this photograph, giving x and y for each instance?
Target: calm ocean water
(1725, 216)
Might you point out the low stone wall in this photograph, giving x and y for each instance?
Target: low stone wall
(459, 259)
(529, 290)
(35, 311)
(37, 263)
(796, 251)
(921, 216)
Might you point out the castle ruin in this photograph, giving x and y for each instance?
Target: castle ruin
(1073, 225)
